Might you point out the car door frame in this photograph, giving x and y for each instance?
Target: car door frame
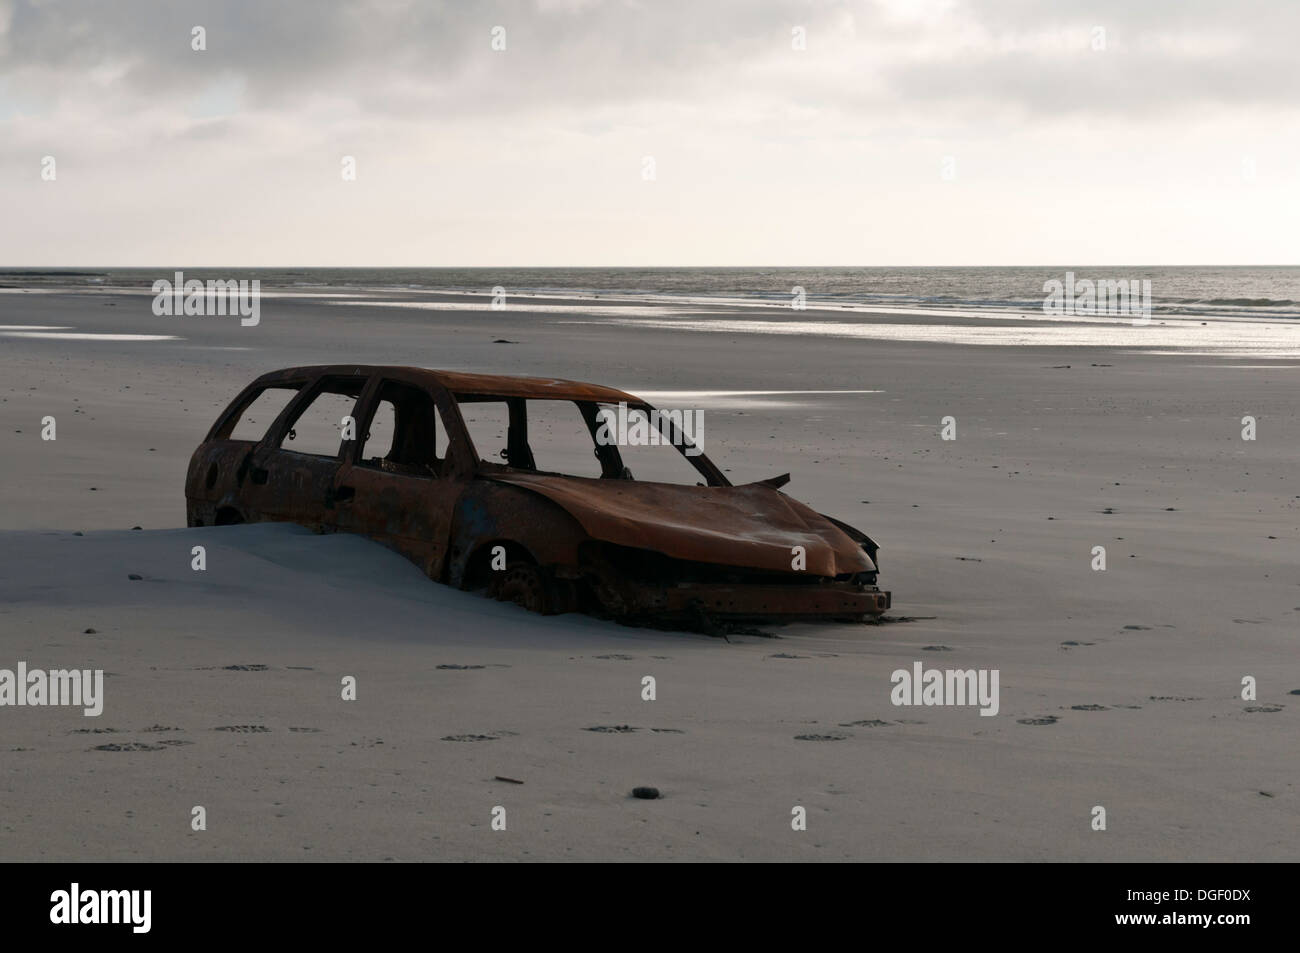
(285, 476)
(410, 513)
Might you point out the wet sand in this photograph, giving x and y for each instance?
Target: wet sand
(1119, 689)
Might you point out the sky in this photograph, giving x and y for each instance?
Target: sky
(655, 133)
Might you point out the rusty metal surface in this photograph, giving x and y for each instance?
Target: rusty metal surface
(752, 525)
(458, 382)
(612, 546)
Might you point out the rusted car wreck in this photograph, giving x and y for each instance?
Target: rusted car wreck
(390, 453)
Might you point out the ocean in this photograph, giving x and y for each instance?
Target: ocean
(1259, 292)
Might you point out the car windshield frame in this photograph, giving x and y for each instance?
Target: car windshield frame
(612, 465)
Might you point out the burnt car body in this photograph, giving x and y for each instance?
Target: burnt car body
(408, 475)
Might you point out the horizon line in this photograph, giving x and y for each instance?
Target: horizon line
(54, 268)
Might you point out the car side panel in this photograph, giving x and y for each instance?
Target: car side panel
(489, 512)
(213, 481)
(286, 486)
(408, 513)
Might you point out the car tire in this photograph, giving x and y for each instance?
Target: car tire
(525, 584)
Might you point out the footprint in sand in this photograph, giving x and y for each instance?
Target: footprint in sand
(832, 737)
(785, 655)
(868, 723)
(459, 668)
(1173, 698)
(936, 648)
(1045, 720)
(1089, 708)
(311, 730)
(128, 746)
(668, 731)
(175, 742)
(1263, 709)
(245, 668)
(243, 729)
(161, 728)
(94, 731)
(613, 729)
(470, 737)
(616, 657)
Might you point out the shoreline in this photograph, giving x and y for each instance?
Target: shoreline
(862, 301)
(1222, 337)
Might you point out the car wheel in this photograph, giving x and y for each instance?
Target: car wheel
(524, 584)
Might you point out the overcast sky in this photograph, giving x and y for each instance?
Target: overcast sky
(922, 132)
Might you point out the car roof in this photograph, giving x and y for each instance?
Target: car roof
(458, 382)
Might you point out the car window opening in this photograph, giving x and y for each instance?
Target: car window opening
(317, 428)
(557, 437)
(403, 435)
(262, 409)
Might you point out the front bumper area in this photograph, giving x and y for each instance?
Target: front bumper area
(829, 601)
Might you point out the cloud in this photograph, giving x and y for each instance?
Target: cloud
(548, 135)
(573, 55)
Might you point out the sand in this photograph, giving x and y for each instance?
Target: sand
(1120, 689)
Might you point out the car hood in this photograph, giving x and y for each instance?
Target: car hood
(752, 526)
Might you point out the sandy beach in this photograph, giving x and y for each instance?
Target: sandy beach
(1120, 689)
